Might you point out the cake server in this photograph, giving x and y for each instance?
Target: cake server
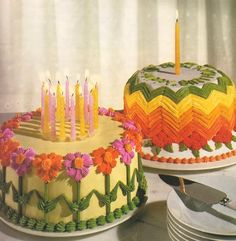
(198, 192)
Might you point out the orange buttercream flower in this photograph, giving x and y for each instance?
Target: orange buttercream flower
(11, 124)
(135, 137)
(6, 149)
(105, 159)
(223, 135)
(47, 166)
(195, 141)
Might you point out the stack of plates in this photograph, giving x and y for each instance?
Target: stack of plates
(185, 224)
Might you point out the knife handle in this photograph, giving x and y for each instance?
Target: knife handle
(228, 203)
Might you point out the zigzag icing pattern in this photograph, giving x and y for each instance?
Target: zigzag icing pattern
(178, 114)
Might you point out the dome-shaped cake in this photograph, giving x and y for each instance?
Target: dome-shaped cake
(194, 110)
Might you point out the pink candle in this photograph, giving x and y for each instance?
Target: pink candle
(67, 99)
(91, 110)
(72, 119)
(53, 116)
(42, 104)
(86, 101)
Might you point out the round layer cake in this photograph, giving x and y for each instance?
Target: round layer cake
(190, 115)
(70, 186)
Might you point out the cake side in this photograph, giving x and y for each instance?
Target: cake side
(74, 191)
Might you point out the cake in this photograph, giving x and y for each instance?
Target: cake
(184, 118)
(53, 185)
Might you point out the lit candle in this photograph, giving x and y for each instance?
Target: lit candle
(77, 93)
(53, 117)
(81, 116)
(58, 97)
(42, 104)
(67, 91)
(62, 118)
(95, 100)
(46, 127)
(86, 101)
(72, 118)
(177, 45)
(91, 113)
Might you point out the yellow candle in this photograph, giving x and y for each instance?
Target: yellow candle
(62, 118)
(77, 103)
(81, 115)
(46, 127)
(177, 45)
(58, 97)
(95, 106)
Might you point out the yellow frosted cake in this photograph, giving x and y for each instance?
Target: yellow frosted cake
(185, 118)
(64, 186)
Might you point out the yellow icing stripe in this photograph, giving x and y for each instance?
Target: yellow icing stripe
(191, 101)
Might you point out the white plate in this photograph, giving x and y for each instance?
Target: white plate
(195, 233)
(75, 233)
(176, 235)
(203, 221)
(172, 167)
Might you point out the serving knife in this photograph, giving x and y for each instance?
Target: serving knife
(198, 192)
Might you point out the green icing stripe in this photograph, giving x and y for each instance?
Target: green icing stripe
(176, 97)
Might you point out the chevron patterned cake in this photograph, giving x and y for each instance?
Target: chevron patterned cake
(185, 118)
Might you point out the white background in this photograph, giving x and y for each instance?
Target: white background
(111, 38)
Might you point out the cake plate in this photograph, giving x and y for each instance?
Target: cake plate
(131, 214)
(195, 167)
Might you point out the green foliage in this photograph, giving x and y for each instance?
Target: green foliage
(195, 153)
(218, 145)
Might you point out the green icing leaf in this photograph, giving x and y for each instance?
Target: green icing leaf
(182, 147)
(234, 138)
(156, 150)
(207, 148)
(229, 145)
(218, 145)
(169, 148)
(195, 153)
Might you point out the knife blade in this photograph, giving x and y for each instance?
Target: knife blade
(197, 191)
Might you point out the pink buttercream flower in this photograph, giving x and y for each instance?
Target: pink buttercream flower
(125, 147)
(26, 116)
(5, 135)
(106, 112)
(129, 125)
(21, 160)
(77, 165)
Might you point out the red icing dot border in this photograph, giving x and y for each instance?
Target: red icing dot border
(190, 160)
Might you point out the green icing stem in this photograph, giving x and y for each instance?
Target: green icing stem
(78, 200)
(128, 182)
(107, 192)
(45, 199)
(140, 167)
(4, 169)
(20, 193)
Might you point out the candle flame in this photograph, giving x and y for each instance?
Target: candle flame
(177, 15)
(86, 73)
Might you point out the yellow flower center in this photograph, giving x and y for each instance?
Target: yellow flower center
(46, 164)
(20, 158)
(79, 162)
(107, 156)
(128, 147)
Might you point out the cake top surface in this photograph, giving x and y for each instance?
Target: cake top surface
(29, 136)
(155, 80)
